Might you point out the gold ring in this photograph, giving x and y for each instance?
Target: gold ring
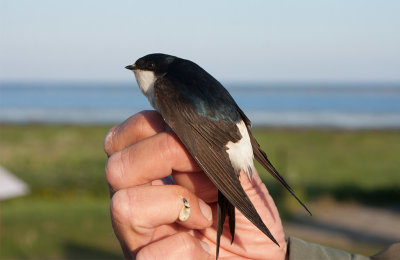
(185, 211)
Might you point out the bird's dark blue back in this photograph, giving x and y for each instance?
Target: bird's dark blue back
(209, 98)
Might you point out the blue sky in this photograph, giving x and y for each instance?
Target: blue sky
(233, 40)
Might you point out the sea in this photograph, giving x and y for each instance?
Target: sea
(326, 105)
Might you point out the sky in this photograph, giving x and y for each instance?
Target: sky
(321, 40)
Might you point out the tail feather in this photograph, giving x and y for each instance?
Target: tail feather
(261, 157)
(231, 215)
(224, 208)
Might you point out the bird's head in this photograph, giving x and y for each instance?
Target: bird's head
(149, 68)
(156, 62)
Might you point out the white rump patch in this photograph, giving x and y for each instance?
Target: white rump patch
(146, 80)
(241, 152)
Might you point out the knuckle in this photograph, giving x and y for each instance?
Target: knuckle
(151, 114)
(149, 252)
(114, 169)
(136, 218)
(187, 242)
(120, 206)
(180, 246)
(141, 120)
(168, 147)
(182, 192)
(124, 210)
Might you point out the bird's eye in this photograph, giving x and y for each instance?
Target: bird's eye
(152, 65)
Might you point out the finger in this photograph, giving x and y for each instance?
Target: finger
(135, 128)
(147, 207)
(179, 246)
(150, 159)
(136, 212)
(199, 184)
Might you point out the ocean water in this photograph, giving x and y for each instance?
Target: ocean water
(288, 105)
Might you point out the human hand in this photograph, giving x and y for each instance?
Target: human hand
(144, 211)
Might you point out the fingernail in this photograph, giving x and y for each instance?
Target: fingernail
(205, 209)
(205, 246)
(108, 140)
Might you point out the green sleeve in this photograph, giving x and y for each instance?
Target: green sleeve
(301, 250)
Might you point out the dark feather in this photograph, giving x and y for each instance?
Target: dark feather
(204, 116)
(205, 136)
(224, 208)
(262, 158)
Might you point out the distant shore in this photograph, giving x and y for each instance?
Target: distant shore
(376, 123)
(316, 105)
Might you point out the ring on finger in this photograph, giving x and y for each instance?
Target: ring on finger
(185, 211)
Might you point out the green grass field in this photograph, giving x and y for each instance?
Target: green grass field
(66, 214)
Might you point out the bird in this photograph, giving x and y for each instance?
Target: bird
(212, 127)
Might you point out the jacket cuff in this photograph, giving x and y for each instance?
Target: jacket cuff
(299, 249)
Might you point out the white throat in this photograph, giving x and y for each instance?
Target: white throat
(146, 80)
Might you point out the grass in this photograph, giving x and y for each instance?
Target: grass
(56, 159)
(55, 228)
(66, 214)
(362, 166)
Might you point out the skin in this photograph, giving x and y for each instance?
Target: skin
(144, 211)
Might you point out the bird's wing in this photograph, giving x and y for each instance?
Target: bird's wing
(262, 158)
(205, 136)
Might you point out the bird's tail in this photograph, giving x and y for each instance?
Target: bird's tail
(224, 208)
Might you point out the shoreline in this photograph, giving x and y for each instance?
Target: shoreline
(253, 128)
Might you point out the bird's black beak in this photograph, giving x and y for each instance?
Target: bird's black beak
(131, 67)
